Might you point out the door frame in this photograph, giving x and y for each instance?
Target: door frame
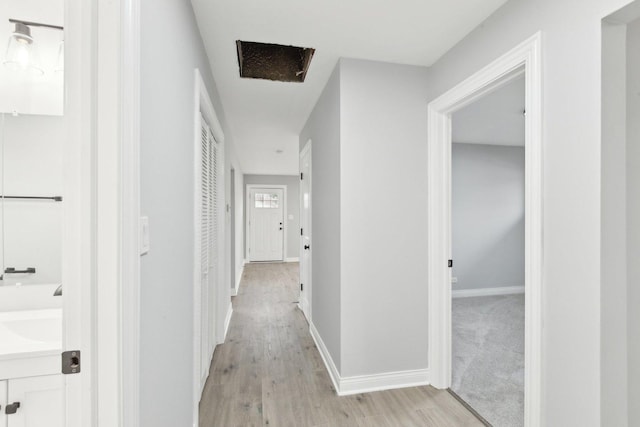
(527, 57)
(81, 328)
(250, 209)
(308, 313)
(101, 214)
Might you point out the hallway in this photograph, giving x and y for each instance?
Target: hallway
(269, 372)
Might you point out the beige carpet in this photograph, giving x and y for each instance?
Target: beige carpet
(488, 356)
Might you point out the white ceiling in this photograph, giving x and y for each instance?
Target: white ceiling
(495, 119)
(263, 115)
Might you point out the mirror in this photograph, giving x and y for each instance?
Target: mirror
(32, 57)
(32, 132)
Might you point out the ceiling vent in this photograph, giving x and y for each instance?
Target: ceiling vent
(273, 61)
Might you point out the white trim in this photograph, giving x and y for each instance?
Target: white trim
(384, 381)
(527, 55)
(109, 146)
(249, 210)
(326, 357)
(486, 292)
(80, 327)
(294, 259)
(345, 386)
(130, 213)
(227, 322)
(234, 291)
(305, 307)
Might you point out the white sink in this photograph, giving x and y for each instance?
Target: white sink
(40, 330)
(30, 331)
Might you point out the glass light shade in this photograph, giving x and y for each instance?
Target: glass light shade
(21, 54)
(60, 61)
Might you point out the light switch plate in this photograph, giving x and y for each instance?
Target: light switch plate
(454, 280)
(144, 235)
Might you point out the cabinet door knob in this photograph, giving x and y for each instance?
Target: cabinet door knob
(12, 409)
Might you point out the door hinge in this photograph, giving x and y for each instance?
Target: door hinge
(301, 233)
(301, 175)
(302, 286)
(450, 263)
(71, 362)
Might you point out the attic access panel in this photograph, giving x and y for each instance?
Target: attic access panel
(273, 61)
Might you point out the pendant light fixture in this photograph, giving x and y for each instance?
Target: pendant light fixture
(21, 53)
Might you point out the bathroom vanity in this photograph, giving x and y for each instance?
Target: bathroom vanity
(31, 385)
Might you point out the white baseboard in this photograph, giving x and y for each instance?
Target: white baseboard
(326, 357)
(227, 322)
(234, 291)
(295, 259)
(485, 292)
(367, 383)
(385, 381)
(304, 307)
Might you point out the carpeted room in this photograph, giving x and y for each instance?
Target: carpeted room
(488, 244)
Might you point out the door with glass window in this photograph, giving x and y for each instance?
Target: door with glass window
(266, 224)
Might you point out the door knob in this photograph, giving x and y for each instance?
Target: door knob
(306, 247)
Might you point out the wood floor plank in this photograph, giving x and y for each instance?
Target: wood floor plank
(270, 373)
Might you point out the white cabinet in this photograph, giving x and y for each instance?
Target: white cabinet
(40, 401)
(3, 402)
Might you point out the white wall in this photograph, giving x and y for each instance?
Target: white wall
(383, 206)
(487, 215)
(323, 128)
(292, 182)
(31, 165)
(171, 48)
(633, 219)
(614, 227)
(571, 137)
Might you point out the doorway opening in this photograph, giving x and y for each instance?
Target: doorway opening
(487, 218)
(522, 62)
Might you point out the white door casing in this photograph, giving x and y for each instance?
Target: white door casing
(305, 233)
(523, 58)
(266, 223)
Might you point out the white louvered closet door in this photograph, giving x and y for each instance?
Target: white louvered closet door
(209, 246)
(214, 239)
(205, 248)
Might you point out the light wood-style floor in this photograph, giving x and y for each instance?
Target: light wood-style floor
(269, 371)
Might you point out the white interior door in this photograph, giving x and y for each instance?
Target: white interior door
(305, 232)
(266, 224)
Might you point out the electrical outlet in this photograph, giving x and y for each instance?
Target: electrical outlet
(454, 280)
